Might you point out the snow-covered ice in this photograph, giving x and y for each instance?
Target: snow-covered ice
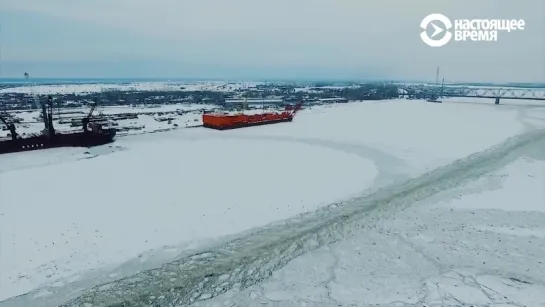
(479, 245)
(412, 136)
(189, 185)
(187, 188)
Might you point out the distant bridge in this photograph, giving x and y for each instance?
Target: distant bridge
(497, 93)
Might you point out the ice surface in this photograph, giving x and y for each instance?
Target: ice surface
(155, 193)
(428, 255)
(490, 251)
(423, 135)
(159, 196)
(524, 175)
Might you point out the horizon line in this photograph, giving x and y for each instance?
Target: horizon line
(338, 80)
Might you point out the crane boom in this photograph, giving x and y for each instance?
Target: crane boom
(93, 107)
(11, 127)
(3, 120)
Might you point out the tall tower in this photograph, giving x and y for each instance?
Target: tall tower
(34, 96)
(437, 76)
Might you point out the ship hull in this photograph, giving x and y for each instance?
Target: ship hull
(79, 139)
(235, 121)
(246, 124)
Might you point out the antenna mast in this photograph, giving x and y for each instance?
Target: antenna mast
(35, 100)
(437, 77)
(263, 98)
(245, 103)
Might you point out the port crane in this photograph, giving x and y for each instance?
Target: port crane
(87, 123)
(47, 111)
(47, 116)
(10, 126)
(92, 109)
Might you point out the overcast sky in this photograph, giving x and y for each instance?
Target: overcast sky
(320, 39)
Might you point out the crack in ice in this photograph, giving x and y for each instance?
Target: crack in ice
(249, 260)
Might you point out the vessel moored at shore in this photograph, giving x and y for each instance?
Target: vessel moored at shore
(234, 121)
(93, 134)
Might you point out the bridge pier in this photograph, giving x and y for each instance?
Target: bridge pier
(497, 100)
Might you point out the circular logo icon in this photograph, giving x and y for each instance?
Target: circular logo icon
(433, 20)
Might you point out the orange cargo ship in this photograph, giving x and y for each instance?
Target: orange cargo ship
(233, 121)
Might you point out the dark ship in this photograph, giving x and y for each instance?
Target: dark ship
(93, 134)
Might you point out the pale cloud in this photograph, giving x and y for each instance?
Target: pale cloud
(350, 34)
